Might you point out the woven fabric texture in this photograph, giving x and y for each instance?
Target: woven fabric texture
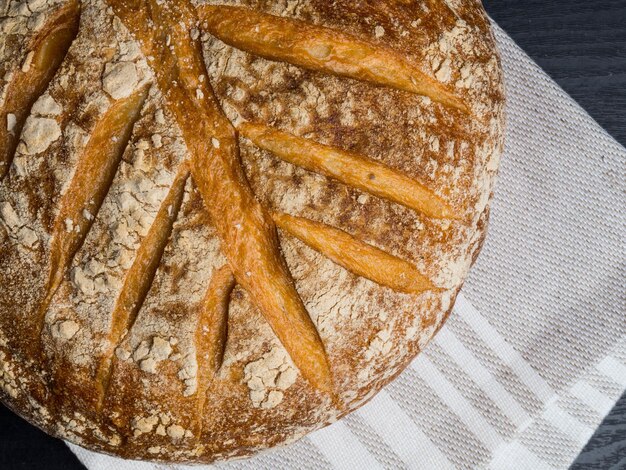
(534, 355)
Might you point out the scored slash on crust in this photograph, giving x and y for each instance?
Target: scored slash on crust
(356, 256)
(321, 49)
(246, 229)
(139, 278)
(249, 238)
(349, 168)
(46, 52)
(211, 334)
(92, 179)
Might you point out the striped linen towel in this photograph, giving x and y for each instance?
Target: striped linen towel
(534, 355)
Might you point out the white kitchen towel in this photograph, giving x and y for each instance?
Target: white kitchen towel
(534, 355)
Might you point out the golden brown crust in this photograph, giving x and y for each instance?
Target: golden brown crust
(184, 327)
(248, 235)
(353, 170)
(211, 334)
(356, 256)
(45, 53)
(322, 49)
(82, 200)
(139, 279)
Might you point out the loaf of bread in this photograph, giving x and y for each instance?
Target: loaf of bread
(226, 224)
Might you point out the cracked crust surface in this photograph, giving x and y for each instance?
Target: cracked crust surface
(158, 376)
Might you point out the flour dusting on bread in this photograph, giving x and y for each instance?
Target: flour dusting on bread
(106, 274)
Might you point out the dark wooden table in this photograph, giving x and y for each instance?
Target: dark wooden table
(582, 45)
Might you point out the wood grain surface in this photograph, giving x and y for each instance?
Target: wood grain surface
(582, 45)
(607, 448)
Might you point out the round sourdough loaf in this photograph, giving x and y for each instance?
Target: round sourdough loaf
(224, 225)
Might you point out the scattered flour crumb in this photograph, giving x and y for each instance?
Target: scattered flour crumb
(120, 79)
(11, 121)
(157, 141)
(38, 134)
(46, 106)
(65, 330)
(148, 355)
(268, 377)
